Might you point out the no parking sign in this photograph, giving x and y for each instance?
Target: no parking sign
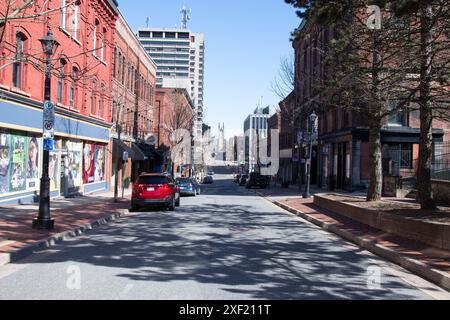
(49, 120)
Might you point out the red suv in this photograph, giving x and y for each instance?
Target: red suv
(155, 189)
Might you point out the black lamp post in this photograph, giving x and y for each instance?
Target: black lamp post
(312, 123)
(43, 220)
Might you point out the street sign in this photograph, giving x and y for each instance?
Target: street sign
(125, 156)
(299, 137)
(49, 120)
(150, 139)
(48, 144)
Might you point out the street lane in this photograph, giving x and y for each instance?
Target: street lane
(227, 243)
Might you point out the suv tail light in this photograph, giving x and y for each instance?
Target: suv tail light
(137, 189)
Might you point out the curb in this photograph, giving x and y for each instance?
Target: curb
(440, 278)
(18, 254)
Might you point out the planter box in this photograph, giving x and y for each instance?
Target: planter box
(431, 233)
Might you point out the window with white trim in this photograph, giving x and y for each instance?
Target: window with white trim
(62, 19)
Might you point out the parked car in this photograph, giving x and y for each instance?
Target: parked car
(237, 178)
(208, 180)
(188, 187)
(154, 190)
(243, 179)
(210, 173)
(256, 180)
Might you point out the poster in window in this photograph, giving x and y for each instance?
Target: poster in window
(99, 160)
(88, 163)
(73, 164)
(18, 163)
(53, 170)
(33, 163)
(5, 160)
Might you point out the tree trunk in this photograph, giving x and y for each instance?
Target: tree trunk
(375, 111)
(426, 117)
(375, 164)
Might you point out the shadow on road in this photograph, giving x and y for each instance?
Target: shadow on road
(243, 251)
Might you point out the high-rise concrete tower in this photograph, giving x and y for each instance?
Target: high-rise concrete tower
(180, 57)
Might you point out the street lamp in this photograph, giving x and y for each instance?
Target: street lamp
(312, 123)
(43, 220)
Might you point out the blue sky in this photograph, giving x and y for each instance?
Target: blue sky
(244, 40)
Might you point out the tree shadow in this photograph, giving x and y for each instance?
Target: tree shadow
(242, 249)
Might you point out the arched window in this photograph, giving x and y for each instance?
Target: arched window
(123, 70)
(61, 73)
(73, 88)
(114, 62)
(102, 45)
(74, 19)
(92, 99)
(100, 101)
(95, 37)
(18, 66)
(119, 66)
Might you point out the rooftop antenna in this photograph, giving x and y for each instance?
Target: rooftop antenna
(148, 22)
(185, 16)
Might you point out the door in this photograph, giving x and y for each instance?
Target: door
(63, 176)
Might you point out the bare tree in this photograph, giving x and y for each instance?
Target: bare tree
(366, 69)
(428, 31)
(178, 127)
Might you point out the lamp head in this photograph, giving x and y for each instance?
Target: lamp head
(49, 44)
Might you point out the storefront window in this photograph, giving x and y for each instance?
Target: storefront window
(5, 160)
(93, 163)
(18, 163)
(401, 154)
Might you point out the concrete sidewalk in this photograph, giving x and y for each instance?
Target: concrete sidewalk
(428, 262)
(72, 217)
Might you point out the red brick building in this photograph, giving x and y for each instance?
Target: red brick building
(133, 96)
(289, 149)
(81, 89)
(174, 110)
(341, 155)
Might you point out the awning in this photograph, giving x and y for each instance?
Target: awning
(139, 154)
(122, 148)
(146, 152)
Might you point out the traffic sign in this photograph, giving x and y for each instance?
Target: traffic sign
(49, 120)
(48, 144)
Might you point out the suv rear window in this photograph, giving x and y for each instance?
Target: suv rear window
(153, 180)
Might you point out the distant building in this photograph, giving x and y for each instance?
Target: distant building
(255, 129)
(221, 144)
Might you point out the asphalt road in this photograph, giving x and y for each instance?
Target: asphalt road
(225, 244)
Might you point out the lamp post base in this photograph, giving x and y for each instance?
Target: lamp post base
(43, 224)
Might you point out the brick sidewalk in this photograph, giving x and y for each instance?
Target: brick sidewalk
(434, 263)
(16, 232)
